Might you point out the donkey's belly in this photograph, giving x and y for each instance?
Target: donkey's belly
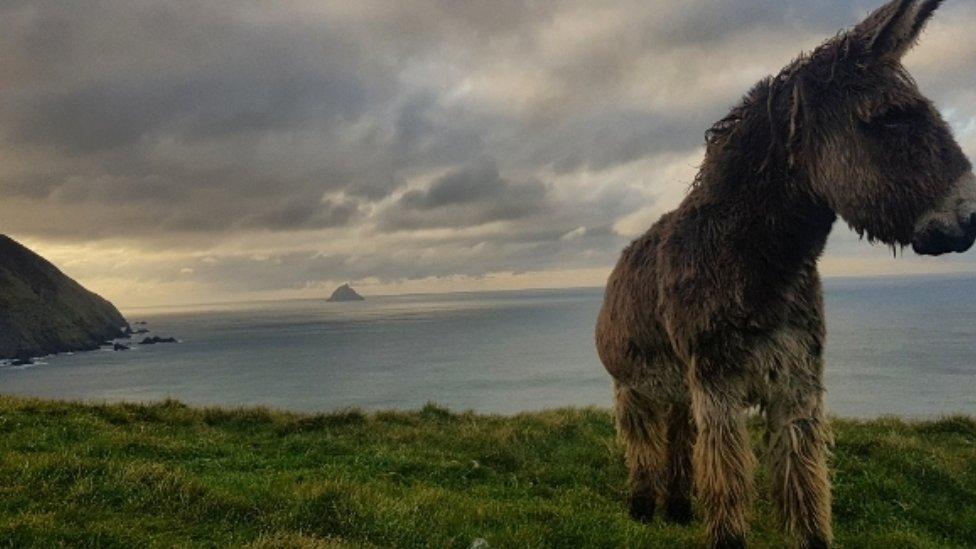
(664, 380)
(653, 369)
(788, 359)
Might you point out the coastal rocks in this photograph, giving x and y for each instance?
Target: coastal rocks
(345, 293)
(155, 339)
(44, 312)
(148, 340)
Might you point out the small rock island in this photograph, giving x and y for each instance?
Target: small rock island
(345, 293)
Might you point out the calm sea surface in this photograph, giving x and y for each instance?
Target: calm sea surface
(902, 346)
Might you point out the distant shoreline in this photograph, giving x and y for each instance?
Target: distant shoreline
(827, 279)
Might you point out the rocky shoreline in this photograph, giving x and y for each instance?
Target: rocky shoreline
(123, 342)
(44, 312)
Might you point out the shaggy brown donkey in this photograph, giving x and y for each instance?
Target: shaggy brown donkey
(718, 307)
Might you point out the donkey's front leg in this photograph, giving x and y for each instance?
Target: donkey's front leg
(641, 428)
(723, 461)
(798, 440)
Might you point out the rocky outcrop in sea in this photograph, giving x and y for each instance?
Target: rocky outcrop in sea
(346, 293)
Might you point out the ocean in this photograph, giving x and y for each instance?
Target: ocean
(896, 346)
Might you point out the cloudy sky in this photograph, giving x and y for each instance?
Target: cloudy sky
(171, 152)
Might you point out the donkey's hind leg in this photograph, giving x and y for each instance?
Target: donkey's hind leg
(641, 426)
(798, 439)
(679, 479)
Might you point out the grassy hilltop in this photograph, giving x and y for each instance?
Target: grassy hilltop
(166, 474)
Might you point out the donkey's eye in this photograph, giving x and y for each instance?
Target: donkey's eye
(894, 118)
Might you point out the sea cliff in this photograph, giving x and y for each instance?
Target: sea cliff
(43, 311)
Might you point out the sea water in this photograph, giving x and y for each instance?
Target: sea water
(904, 346)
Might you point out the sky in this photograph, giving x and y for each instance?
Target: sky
(165, 152)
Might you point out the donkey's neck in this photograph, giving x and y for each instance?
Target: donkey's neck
(751, 210)
(771, 226)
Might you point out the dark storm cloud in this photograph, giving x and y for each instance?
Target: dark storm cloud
(531, 128)
(298, 213)
(603, 139)
(472, 195)
(472, 184)
(107, 115)
(161, 105)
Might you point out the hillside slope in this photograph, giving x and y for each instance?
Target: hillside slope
(168, 475)
(43, 311)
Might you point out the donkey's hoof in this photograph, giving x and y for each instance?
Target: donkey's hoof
(679, 511)
(642, 508)
(730, 542)
(815, 542)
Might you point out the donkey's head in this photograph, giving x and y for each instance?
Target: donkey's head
(871, 145)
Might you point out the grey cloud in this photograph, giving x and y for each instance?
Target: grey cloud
(214, 120)
(86, 120)
(428, 134)
(114, 114)
(477, 182)
(299, 213)
(290, 213)
(710, 22)
(472, 195)
(605, 139)
(162, 106)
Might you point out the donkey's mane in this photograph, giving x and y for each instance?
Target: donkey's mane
(777, 101)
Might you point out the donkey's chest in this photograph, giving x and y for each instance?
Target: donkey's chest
(788, 358)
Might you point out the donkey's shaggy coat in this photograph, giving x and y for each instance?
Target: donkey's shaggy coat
(718, 307)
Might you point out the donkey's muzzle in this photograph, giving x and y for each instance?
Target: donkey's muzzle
(950, 227)
(938, 241)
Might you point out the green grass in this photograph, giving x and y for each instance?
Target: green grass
(168, 475)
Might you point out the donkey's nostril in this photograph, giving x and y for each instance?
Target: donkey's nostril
(970, 229)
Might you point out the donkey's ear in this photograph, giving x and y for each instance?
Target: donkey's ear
(892, 30)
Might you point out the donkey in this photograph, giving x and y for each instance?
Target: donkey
(719, 306)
